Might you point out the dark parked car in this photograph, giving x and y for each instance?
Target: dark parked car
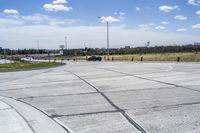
(95, 58)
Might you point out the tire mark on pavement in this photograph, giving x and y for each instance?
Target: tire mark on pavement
(32, 97)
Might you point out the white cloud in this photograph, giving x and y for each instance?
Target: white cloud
(121, 18)
(198, 12)
(47, 20)
(137, 9)
(36, 19)
(166, 8)
(160, 28)
(8, 22)
(194, 2)
(180, 17)
(181, 30)
(151, 24)
(122, 13)
(109, 19)
(196, 26)
(11, 11)
(52, 7)
(59, 2)
(144, 27)
(164, 22)
(57, 5)
(25, 36)
(118, 15)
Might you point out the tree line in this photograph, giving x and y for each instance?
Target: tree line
(137, 50)
(103, 51)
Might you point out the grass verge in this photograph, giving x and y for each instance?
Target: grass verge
(28, 66)
(184, 57)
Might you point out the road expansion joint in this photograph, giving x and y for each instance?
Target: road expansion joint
(123, 112)
(166, 83)
(82, 114)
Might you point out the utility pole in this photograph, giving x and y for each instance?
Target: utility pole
(85, 50)
(66, 42)
(4, 52)
(38, 46)
(147, 44)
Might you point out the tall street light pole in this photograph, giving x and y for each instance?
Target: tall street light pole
(108, 40)
(66, 42)
(108, 37)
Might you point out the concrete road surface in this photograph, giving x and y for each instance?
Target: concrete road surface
(102, 97)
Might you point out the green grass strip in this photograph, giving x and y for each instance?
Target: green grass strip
(28, 65)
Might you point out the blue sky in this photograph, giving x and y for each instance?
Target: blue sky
(133, 22)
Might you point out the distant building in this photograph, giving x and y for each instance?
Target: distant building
(62, 46)
(6, 50)
(127, 47)
(197, 43)
(61, 52)
(64, 52)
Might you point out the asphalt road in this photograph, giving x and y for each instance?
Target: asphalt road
(102, 97)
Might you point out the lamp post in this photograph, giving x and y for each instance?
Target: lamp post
(108, 39)
(108, 36)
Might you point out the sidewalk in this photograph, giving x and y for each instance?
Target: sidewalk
(18, 117)
(11, 121)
